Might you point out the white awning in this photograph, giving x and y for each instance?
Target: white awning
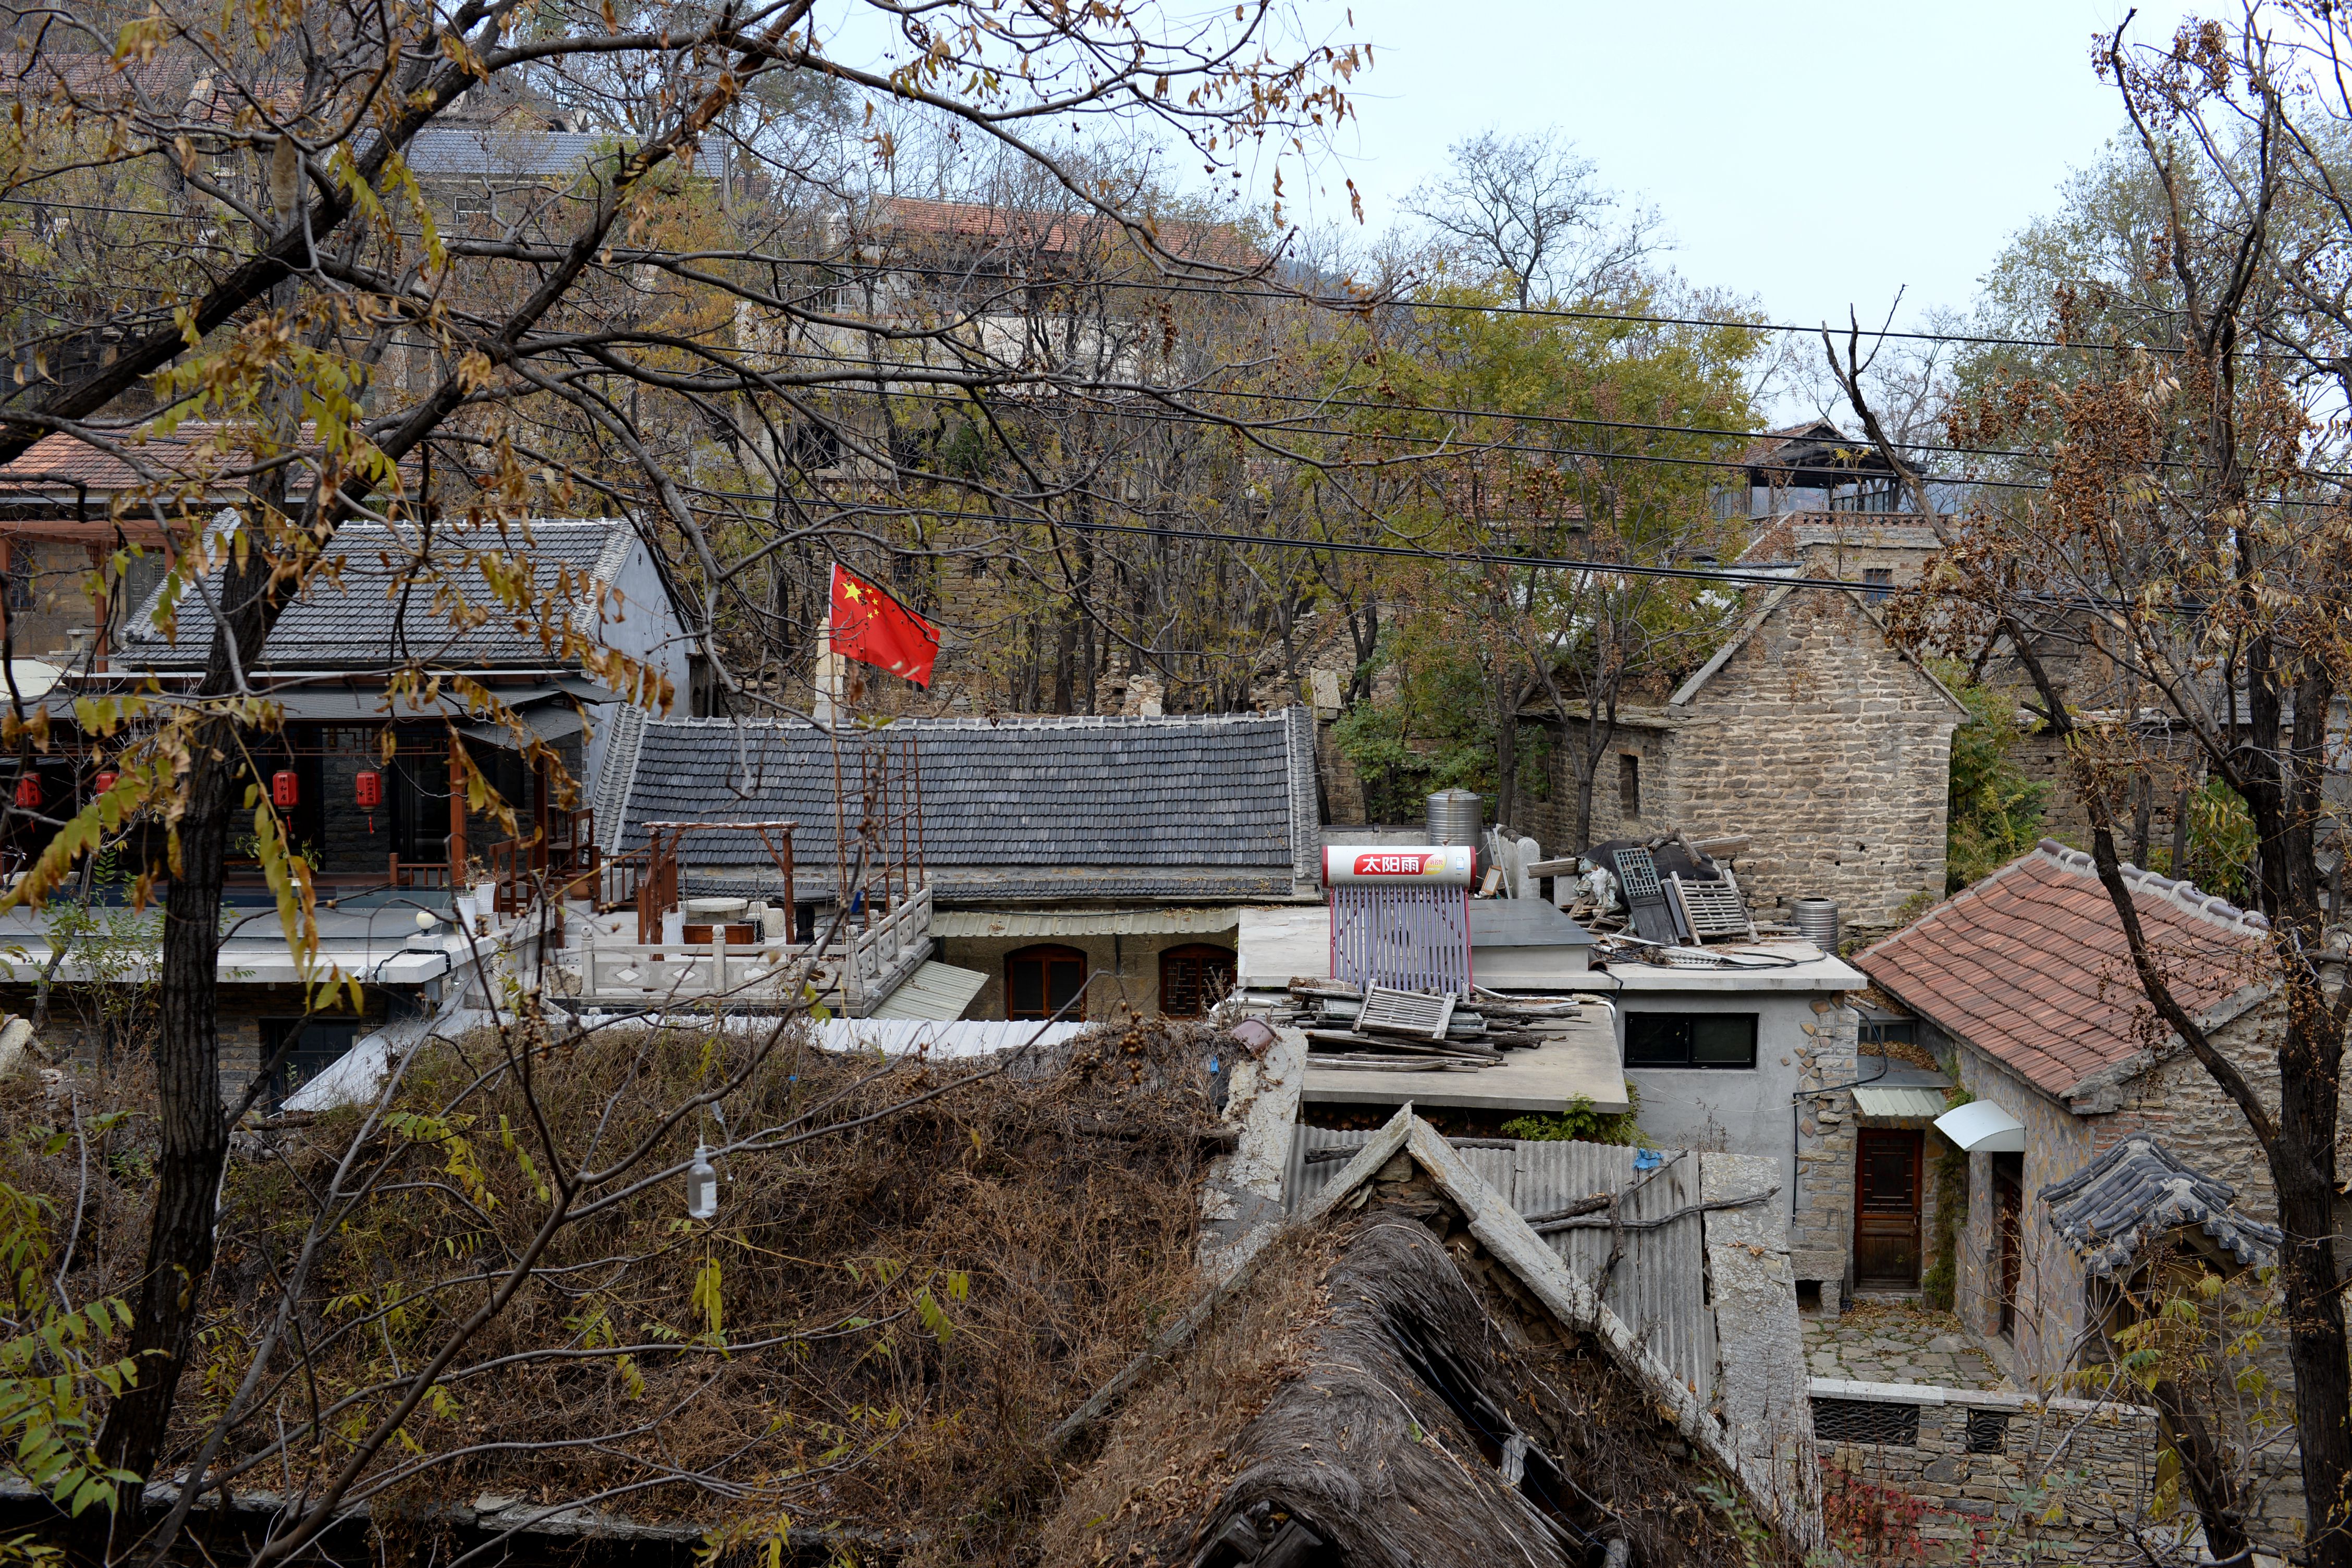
(1900, 1100)
(1982, 1127)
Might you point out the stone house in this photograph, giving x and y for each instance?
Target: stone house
(2023, 987)
(1808, 730)
(1056, 848)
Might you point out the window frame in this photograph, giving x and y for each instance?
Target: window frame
(1687, 1061)
(1045, 954)
(1225, 956)
(1629, 787)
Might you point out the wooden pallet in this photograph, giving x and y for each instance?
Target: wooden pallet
(1712, 909)
(1392, 1012)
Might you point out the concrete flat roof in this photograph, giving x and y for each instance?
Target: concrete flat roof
(1582, 1061)
(1754, 966)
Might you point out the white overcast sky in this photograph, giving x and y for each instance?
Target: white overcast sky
(1810, 156)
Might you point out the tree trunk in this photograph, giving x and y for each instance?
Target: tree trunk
(192, 1123)
(192, 1126)
(1066, 663)
(1506, 764)
(2303, 1167)
(2220, 1501)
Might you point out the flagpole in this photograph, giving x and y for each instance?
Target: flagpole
(828, 663)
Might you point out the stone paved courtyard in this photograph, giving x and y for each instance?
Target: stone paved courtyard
(1897, 1342)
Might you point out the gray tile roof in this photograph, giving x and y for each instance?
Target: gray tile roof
(1209, 807)
(2112, 1208)
(500, 153)
(348, 624)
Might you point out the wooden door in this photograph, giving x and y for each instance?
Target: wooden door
(1887, 1209)
(2008, 1211)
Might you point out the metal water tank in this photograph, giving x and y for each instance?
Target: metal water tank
(1817, 919)
(1454, 816)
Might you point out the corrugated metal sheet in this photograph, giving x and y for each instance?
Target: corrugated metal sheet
(1659, 1287)
(938, 992)
(1928, 1102)
(971, 1038)
(1084, 922)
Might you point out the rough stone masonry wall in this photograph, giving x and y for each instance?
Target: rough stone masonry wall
(2052, 1480)
(1821, 1236)
(1832, 751)
(2171, 758)
(2050, 1305)
(1553, 821)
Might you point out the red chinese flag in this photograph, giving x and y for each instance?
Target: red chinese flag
(872, 627)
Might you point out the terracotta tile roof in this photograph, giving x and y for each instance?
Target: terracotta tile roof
(2030, 965)
(60, 463)
(84, 76)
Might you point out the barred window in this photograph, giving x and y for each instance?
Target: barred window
(1866, 1421)
(1988, 1431)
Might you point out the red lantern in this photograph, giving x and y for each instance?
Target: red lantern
(283, 790)
(28, 791)
(105, 781)
(368, 789)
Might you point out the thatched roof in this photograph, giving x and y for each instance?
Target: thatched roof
(1408, 1375)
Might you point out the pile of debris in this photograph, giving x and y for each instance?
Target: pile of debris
(1418, 1031)
(1667, 890)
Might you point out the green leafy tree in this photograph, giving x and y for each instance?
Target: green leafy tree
(1994, 810)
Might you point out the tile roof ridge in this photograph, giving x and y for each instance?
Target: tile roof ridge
(2184, 894)
(1016, 722)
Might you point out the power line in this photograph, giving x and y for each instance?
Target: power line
(1761, 577)
(1341, 303)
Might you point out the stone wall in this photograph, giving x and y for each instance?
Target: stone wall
(2176, 1102)
(2002, 1477)
(1553, 821)
(241, 1014)
(2049, 1320)
(1832, 751)
(1820, 1237)
(2170, 758)
(1816, 739)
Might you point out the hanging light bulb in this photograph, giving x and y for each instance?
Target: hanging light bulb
(702, 1184)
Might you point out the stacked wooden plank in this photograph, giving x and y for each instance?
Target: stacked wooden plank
(1407, 1031)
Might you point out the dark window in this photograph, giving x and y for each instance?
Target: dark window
(1865, 1421)
(1880, 1031)
(20, 576)
(1988, 1431)
(318, 1044)
(1690, 1039)
(1629, 784)
(1194, 978)
(1040, 981)
(1881, 580)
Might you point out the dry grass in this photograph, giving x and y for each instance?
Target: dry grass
(902, 1311)
(1166, 1461)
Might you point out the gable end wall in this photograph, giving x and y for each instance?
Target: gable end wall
(1831, 752)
